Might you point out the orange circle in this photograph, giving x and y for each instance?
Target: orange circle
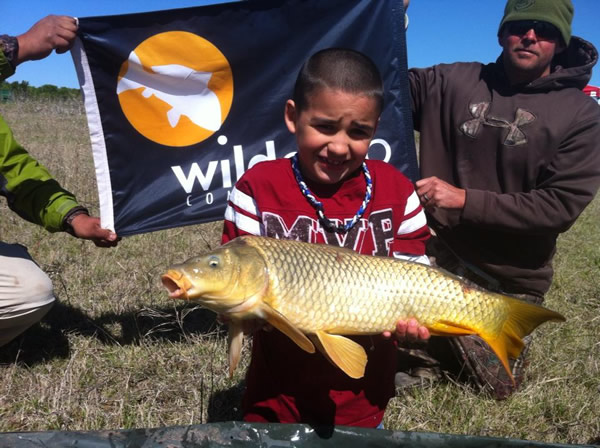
(172, 76)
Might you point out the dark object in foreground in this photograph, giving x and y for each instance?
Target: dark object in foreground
(237, 434)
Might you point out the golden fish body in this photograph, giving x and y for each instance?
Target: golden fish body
(326, 292)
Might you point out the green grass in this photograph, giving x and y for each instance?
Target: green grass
(115, 352)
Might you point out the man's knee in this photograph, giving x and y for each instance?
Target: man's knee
(14, 324)
(26, 292)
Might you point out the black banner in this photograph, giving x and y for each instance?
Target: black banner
(181, 102)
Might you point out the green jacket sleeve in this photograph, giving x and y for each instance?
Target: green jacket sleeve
(30, 190)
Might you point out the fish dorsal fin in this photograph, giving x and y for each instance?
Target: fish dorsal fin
(446, 328)
(236, 340)
(344, 353)
(279, 321)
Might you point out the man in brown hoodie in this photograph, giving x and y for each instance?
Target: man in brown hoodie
(509, 158)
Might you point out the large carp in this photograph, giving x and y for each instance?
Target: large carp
(316, 293)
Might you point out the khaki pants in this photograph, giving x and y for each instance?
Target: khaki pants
(25, 292)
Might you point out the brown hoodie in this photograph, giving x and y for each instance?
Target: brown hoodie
(528, 157)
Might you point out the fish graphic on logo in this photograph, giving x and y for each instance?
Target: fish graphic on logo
(176, 88)
(183, 88)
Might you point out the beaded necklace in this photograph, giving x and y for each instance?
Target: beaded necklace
(318, 205)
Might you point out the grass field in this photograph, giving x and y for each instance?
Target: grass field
(116, 353)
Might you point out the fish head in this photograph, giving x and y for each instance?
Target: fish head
(221, 280)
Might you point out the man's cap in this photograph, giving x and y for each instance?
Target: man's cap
(557, 12)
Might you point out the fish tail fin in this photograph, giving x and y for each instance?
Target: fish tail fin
(522, 319)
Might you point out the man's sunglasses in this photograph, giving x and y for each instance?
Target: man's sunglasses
(543, 30)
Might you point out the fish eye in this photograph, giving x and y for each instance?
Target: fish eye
(213, 262)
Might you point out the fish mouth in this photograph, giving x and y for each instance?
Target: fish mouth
(177, 284)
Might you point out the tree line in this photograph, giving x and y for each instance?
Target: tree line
(22, 90)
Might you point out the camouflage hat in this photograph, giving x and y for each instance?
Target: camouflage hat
(557, 12)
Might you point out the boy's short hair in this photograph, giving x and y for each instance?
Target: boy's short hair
(342, 69)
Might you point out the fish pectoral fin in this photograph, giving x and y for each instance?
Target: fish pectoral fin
(235, 338)
(447, 328)
(279, 321)
(344, 353)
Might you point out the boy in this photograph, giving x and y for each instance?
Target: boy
(328, 194)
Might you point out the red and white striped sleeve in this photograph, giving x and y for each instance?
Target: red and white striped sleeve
(242, 216)
(413, 232)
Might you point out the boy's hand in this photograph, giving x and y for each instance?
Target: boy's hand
(50, 33)
(409, 331)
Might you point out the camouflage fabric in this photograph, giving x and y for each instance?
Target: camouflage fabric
(465, 358)
(9, 49)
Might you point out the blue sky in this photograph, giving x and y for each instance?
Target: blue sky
(439, 31)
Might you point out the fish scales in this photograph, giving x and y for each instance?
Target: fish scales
(363, 295)
(317, 294)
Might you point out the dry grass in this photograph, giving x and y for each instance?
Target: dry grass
(116, 353)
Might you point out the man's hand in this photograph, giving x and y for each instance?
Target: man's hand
(51, 33)
(409, 331)
(434, 192)
(88, 228)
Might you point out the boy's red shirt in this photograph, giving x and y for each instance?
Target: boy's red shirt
(285, 384)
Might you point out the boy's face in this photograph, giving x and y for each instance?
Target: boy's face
(333, 133)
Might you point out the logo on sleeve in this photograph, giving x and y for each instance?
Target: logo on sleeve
(176, 88)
